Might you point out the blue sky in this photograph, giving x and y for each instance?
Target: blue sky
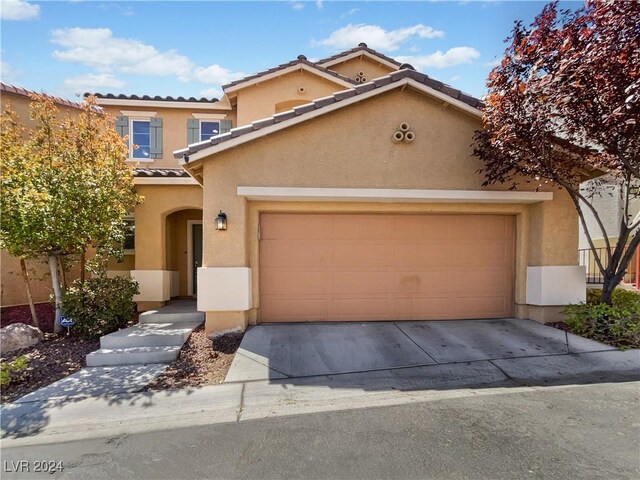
(191, 48)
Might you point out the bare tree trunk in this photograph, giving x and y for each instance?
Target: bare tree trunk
(63, 272)
(57, 292)
(83, 262)
(32, 307)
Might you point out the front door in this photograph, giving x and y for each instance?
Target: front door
(196, 249)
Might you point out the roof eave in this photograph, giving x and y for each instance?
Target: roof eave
(237, 140)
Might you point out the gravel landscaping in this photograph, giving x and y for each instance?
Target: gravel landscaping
(51, 360)
(201, 362)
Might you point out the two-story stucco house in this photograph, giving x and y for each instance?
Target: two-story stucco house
(342, 189)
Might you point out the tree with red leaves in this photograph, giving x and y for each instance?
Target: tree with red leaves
(564, 106)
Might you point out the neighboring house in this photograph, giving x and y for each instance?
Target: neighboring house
(343, 189)
(606, 197)
(13, 290)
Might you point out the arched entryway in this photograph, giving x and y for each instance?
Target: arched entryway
(183, 250)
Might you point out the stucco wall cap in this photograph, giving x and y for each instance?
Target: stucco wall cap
(345, 94)
(304, 108)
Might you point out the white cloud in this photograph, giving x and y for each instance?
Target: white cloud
(320, 4)
(92, 82)
(98, 48)
(213, 74)
(18, 10)
(297, 5)
(211, 92)
(8, 74)
(453, 56)
(455, 78)
(375, 36)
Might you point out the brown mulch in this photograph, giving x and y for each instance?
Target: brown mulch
(560, 326)
(201, 362)
(21, 314)
(49, 361)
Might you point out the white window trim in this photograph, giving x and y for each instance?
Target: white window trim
(213, 116)
(190, 224)
(200, 129)
(138, 119)
(138, 113)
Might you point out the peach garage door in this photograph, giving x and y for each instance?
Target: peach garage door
(332, 267)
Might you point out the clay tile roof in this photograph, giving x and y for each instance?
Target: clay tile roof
(160, 172)
(6, 88)
(362, 47)
(301, 60)
(156, 98)
(332, 99)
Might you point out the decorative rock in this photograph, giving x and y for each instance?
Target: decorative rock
(19, 335)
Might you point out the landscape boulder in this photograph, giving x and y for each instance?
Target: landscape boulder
(19, 335)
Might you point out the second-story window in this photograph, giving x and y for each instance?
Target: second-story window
(144, 131)
(140, 139)
(208, 130)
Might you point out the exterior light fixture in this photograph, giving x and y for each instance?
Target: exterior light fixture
(221, 221)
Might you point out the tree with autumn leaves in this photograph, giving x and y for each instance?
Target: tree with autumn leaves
(65, 186)
(564, 106)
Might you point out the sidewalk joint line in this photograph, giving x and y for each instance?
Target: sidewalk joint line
(241, 406)
(414, 342)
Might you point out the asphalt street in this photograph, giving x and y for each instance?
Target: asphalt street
(563, 432)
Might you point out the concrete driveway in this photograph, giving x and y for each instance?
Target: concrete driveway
(286, 351)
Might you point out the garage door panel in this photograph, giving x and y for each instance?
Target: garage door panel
(367, 253)
(420, 228)
(294, 309)
(491, 306)
(361, 309)
(424, 308)
(295, 253)
(385, 267)
(281, 281)
(423, 282)
(297, 227)
(483, 255)
(406, 255)
(359, 282)
(486, 281)
(362, 227)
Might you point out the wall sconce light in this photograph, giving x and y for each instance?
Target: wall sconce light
(221, 221)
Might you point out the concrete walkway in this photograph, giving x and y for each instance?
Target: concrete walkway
(283, 351)
(52, 420)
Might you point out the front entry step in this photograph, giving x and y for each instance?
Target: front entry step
(150, 335)
(158, 337)
(132, 356)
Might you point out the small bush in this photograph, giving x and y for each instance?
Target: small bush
(11, 371)
(617, 324)
(100, 305)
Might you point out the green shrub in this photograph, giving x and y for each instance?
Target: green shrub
(100, 305)
(11, 371)
(617, 324)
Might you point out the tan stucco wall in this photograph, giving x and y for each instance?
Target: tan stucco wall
(352, 147)
(258, 101)
(174, 129)
(128, 263)
(351, 68)
(151, 236)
